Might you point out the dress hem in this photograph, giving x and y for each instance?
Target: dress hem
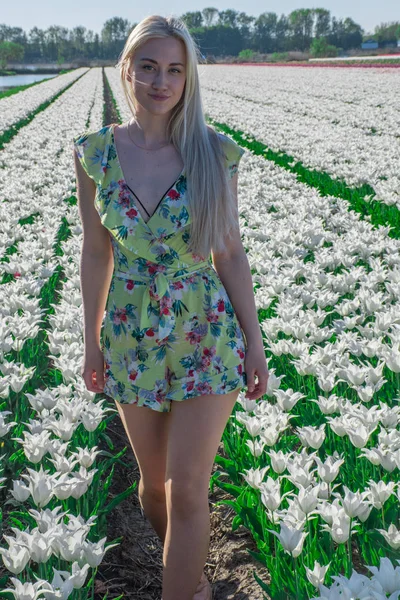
(163, 404)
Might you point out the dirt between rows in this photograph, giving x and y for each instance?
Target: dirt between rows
(134, 567)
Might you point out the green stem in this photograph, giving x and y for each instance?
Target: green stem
(350, 554)
(297, 576)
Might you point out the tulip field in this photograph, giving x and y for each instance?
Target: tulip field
(312, 468)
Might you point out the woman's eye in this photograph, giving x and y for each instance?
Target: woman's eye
(150, 67)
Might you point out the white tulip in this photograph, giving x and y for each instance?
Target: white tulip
(5, 427)
(340, 529)
(273, 382)
(270, 435)
(278, 460)
(307, 498)
(94, 551)
(380, 492)
(359, 435)
(354, 503)
(387, 575)
(291, 539)
(311, 436)
(270, 493)
(317, 575)
(256, 447)
(27, 590)
(392, 536)
(329, 470)
(254, 477)
(287, 399)
(20, 491)
(40, 485)
(16, 557)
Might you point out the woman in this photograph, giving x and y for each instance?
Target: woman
(173, 355)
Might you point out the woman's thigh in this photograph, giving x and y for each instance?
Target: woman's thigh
(147, 431)
(195, 432)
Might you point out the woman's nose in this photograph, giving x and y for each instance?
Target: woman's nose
(160, 78)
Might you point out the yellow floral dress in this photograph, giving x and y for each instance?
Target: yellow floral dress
(170, 331)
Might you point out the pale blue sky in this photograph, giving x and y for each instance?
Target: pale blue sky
(93, 13)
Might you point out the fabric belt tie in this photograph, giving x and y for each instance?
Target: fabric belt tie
(158, 285)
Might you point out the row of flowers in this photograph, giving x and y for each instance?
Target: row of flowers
(47, 417)
(18, 107)
(327, 294)
(346, 127)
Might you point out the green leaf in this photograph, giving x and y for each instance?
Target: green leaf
(117, 500)
(236, 523)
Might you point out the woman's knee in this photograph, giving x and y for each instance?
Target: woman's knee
(154, 490)
(186, 495)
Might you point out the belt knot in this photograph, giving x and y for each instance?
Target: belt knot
(158, 289)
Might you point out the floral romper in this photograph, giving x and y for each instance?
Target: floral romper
(170, 331)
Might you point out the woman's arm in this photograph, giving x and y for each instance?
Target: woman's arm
(96, 268)
(97, 262)
(234, 271)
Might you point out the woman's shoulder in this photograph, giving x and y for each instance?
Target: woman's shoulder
(92, 148)
(231, 148)
(233, 152)
(92, 136)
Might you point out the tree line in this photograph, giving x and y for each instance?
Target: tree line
(218, 33)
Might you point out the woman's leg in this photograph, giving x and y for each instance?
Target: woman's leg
(147, 431)
(196, 429)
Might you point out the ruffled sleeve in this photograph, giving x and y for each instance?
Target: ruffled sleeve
(233, 153)
(92, 153)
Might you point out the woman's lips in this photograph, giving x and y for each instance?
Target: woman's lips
(159, 97)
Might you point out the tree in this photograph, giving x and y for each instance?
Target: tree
(36, 44)
(387, 32)
(209, 15)
(228, 17)
(10, 51)
(302, 22)
(192, 19)
(244, 22)
(218, 39)
(12, 34)
(265, 32)
(320, 48)
(322, 23)
(113, 36)
(54, 38)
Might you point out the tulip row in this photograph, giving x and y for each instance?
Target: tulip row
(319, 272)
(18, 110)
(357, 198)
(347, 127)
(43, 539)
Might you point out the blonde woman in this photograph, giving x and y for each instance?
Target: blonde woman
(162, 254)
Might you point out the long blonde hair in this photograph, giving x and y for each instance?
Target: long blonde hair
(213, 211)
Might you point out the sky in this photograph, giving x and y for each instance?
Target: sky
(93, 13)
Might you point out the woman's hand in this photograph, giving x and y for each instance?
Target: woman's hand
(255, 363)
(93, 369)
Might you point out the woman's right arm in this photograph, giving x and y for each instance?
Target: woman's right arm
(96, 268)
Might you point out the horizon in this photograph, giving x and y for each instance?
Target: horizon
(44, 14)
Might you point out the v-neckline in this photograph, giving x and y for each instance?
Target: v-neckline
(132, 193)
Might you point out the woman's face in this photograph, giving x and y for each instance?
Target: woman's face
(159, 69)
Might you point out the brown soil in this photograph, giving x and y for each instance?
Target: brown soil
(134, 567)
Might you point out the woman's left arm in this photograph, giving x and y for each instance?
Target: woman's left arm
(234, 271)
